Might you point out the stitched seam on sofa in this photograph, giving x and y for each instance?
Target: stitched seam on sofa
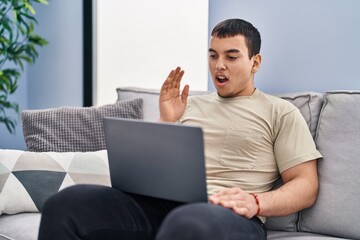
(297, 226)
(297, 96)
(311, 114)
(317, 113)
(325, 102)
(343, 92)
(138, 90)
(156, 91)
(295, 221)
(308, 103)
(7, 238)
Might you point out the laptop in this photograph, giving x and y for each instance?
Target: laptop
(162, 160)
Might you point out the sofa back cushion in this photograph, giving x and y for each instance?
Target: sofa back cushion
(337, 209)
(284, 223)
(309, 104)
(72, 129)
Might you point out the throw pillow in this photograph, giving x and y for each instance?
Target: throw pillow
(73, 129)
(27, 179)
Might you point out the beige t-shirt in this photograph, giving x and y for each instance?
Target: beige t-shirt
(249, 140)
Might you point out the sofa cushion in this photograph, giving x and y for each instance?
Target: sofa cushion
(150, 97)
(284, 223)
(23, 226)
(281, 235)
(337, 209)
(309, 104)
(27, 179)
(73, 129)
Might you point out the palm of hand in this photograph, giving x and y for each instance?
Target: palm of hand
(171, 103)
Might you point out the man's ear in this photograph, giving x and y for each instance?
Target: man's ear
(257, 63)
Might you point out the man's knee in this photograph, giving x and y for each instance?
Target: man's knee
(69, 199)
(59, 200)
(208, 221)
(193, 221)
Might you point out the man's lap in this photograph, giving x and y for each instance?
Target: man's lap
(93, 211)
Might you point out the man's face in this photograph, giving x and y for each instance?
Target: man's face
(231, 69)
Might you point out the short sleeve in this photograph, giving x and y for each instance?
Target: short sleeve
(293, 144)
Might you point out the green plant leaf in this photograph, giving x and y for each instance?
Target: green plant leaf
(29, 17)
(10, 124)
(18, 44)
(30, 8)
(38, 40)
(8, 80)
(42, 1)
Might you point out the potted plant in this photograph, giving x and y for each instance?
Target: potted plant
(18, 46)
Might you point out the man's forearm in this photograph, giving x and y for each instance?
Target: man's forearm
(293, 196)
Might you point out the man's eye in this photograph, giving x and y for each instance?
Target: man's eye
(231, 57)
(213, 56)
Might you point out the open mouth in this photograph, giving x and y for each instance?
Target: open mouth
(221, 78)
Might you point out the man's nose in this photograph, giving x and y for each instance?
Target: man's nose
(220, 65)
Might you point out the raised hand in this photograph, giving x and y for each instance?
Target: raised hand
(172, 104)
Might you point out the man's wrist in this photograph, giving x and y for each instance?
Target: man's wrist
(167, 120)
(257, 203)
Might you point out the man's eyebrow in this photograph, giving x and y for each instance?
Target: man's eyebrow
(232, 51)
(227, 51)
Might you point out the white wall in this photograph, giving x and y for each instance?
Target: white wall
(139, 42)
(307, 44)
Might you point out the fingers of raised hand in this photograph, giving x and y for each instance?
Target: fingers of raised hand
(169, 79)
(172, 81)
(176, 78)
(185, 93)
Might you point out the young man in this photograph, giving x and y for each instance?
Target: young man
(250, 140)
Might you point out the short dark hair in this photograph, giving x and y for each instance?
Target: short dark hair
(234, 27)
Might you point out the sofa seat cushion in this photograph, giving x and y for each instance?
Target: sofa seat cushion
(72, 129)
(27, 179)
(23, 226)
(282, 235)
(337, 209)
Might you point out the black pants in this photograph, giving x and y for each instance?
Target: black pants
(97, 212)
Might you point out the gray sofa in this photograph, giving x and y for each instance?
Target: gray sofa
(334, 121)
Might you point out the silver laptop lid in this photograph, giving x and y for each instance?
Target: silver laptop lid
(160, 160)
